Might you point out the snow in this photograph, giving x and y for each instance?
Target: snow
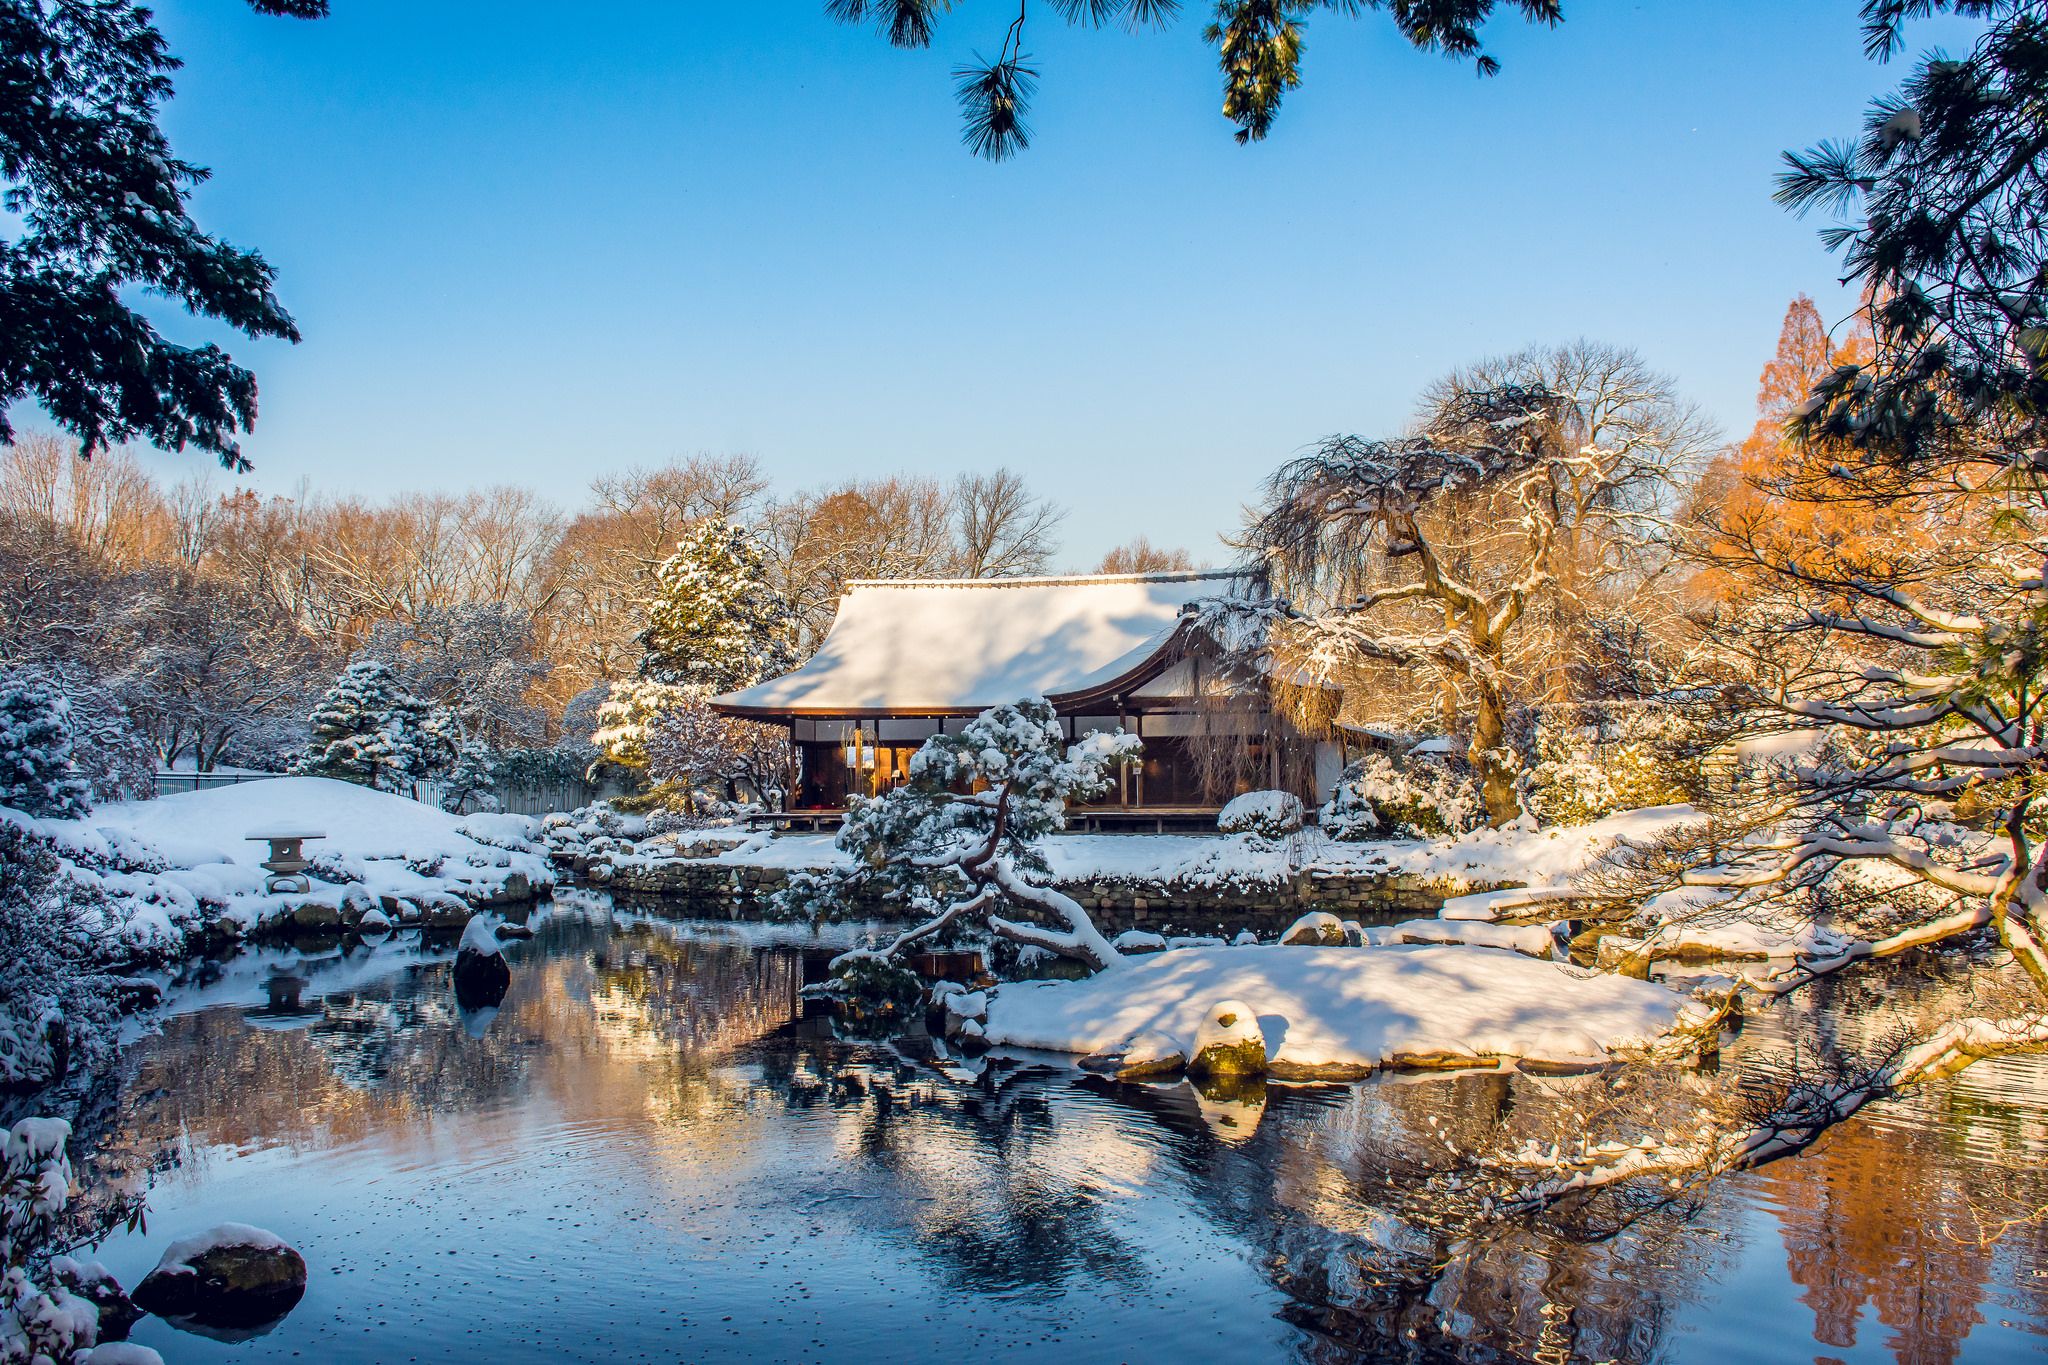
(965, 645)
(479, 937)
(1360, 1007)
(179, 1255)
(1261, 812)
(179, 863)
(1483, 858)
(1532, 940)
(119, 1353)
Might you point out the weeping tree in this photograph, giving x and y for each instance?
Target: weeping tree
(1259, 46)
(1428, 553)
(960, 840)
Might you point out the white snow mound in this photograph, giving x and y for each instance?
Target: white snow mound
(1343, 1006)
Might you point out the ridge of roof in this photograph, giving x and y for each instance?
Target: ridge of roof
(1053, 580)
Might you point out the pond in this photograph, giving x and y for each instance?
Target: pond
(651, 1154)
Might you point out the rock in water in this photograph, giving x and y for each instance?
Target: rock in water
(231, 1276)
(482, 975)
(1229, 1044)
(1316, 929)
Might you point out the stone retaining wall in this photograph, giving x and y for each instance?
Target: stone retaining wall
(710, 890)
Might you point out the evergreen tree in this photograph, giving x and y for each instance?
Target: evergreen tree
(472, 777)
(368, 729)
(37, 773)
(97, 202)
(716, 623)
(1258, 49)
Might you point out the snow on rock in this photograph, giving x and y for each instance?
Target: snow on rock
(118, 1353)
(181, 864)
(1530, 940)
(480, 937)
(1339, 1012)
(1228, 1043)
(1138, 941)
(232, 1275)
(1316, 929)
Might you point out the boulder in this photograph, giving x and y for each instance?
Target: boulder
(232, 1276)
(315, 915)
(445, 912)
(1316, 929)
(482, 976)
(1229, 1043)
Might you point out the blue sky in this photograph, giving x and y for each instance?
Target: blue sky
(535, 242)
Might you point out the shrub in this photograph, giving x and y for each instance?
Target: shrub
(1593, 760)
(1414, 797)
(1273, 814)
(56, 1001)
(38, 774)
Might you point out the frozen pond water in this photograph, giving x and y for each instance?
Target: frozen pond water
(649, 1154)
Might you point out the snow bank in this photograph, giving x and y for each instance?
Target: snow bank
(1333, 1010)
(172, 867)
(1484, 858)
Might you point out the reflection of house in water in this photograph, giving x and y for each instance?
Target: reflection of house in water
(906, 660)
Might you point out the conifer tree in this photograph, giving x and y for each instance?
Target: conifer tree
(716, 622)
(369, 730)
(97, 211)
(38, 776)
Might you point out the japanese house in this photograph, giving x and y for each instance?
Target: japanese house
(906, 659)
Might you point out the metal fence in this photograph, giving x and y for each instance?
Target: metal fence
(543, 800)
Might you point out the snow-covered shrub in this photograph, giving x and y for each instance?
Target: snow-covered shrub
(38, 773)
(1417, 797)
(111, 756)
(56, 1000)
(37, 1324)
(1594, 760)
(1273, 814)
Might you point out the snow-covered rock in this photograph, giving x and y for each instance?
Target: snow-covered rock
(481, 974)
(1316, 929)
(1228, 1044)
(1530, 940)
(233, 1275)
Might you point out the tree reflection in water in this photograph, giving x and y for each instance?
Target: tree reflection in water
(675, 1060)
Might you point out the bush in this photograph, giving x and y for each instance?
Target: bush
(1272, 814)
(56, 1001)
(1415, 797)
(1593, 760)
(38, 775)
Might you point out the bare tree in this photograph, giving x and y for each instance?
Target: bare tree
(1004, 530)
(1140, 555)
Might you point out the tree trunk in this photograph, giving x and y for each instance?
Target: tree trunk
(1488, 754)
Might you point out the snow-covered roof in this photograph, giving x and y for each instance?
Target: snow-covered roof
(914, 647)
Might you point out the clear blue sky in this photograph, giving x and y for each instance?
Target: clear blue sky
(535, 242)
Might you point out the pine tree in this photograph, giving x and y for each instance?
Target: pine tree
(97, 201)
(471, 778)
(369, 730)
(38, 776)
(716, 623)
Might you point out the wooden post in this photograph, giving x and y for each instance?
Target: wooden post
(1123, 772)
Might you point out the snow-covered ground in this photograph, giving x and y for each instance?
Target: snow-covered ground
(1350, 1008)
(179, 864)
(1243, 861)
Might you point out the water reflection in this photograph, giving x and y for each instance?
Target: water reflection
(650, 1153)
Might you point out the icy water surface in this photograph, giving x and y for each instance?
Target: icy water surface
(648, 1154)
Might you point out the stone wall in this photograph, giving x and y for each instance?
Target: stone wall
(710, 890)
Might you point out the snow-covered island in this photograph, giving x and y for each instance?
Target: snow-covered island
(171, 873)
